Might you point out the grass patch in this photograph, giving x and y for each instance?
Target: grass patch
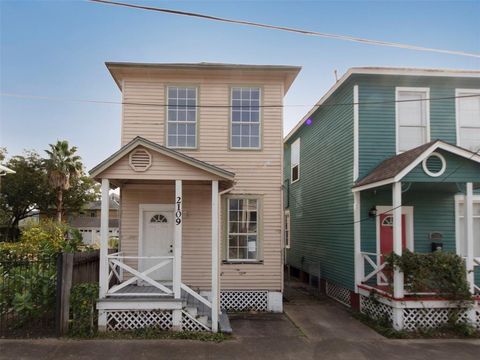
(157, 334)
(450, 330)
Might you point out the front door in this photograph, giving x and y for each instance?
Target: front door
(157, 241)
(386, 234)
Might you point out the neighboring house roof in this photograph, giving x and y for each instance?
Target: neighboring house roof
(139, 141)
(382, 71)
(395, 168)
(97, 205)
(290, 72)
(91, 222)
(5, 170)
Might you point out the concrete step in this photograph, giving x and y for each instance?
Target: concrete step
(203, 319)
(192, 310)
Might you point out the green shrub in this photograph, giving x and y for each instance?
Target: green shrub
(83, 314)
(440, 272)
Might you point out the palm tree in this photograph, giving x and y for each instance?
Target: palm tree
(62, 165)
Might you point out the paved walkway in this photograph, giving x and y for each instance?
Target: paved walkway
(311, 329)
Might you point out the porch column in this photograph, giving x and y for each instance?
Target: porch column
(103, 271)
(359, 267)
(469, 235)
(397, 237)
(398, 288)
(215, 257)
(103, 266)
(177, 240)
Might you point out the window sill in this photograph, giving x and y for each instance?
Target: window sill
(242, 262)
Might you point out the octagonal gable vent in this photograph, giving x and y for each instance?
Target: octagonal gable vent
(140, 160)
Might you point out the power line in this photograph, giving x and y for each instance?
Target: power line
(111, 102)
(292, 30)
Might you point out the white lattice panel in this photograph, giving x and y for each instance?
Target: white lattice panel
(423, 318)
(120, 320)
(375, 309)
(477, 318)
(189, 323)
(244, 300)
(338, 293)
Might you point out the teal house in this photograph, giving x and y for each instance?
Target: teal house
(387, 160)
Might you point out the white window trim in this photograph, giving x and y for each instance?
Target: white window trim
(460, 199)
(458, 93)
(260, 115)
(409, 229)
(196, 116)
(259, 222)
(427, 111)
(288, 227)
(291, 164)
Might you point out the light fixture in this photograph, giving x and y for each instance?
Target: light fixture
(372, 212)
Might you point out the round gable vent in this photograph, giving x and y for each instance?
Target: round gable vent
(434, 165)
(140, 160)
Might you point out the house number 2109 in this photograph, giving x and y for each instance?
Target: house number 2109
(178, 212)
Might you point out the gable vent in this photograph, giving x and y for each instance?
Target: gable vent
(140, 160)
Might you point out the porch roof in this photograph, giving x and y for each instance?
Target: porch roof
(397, 167)
(162, 150)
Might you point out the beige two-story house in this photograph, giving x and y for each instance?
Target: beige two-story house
(200, 178)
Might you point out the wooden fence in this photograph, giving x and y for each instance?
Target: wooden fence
(72, 269)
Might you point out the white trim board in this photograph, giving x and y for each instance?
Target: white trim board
(356, 138)
(437, 145)
(382, 71)
(458, 199)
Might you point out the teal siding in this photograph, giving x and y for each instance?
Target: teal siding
(377, 121)
(323, 197)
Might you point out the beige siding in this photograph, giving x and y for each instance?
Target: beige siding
(257, 172)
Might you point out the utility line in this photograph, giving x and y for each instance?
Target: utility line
(291, 30)
(111, 102)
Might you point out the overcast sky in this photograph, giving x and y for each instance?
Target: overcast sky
(58, 49)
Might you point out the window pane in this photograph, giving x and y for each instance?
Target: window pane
(245, 110)
(242, 228)
(410, 137)
(295, 152)
(235, 141)
(469, 110)
(470, 138)
(191, 141)
(179, 134)
(412, 112)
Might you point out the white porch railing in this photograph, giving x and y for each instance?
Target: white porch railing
(372, 259)
(118, 267)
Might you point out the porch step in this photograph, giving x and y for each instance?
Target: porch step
(192, 310)
(224, 323)
(204, 320)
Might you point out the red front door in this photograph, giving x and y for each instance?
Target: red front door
(386, 234)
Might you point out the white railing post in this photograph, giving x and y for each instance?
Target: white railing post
(469, 235)
(177, 252)
(398, 290)
(103, 266)
(359, 263)
(215, 257)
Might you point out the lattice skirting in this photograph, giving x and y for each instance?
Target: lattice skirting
(236, 300)
(419, 317)
(375, 310)
(336, 292)
(189, 323)
(121, 320)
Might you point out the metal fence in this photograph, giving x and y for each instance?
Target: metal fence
(27, 295)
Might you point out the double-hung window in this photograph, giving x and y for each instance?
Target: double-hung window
(468, 119)
(243, 227)
(295, 160)
(245, 118)
(182, 117)
(412, 117)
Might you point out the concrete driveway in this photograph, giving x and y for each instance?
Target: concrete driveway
(311, 328)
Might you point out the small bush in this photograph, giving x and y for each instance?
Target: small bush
(83, 315)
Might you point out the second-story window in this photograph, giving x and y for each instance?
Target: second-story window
(182, 117)
(468, 119)
(412, 118)
(245, 118)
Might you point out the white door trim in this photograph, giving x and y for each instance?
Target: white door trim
(408, 212)
(149, 207)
